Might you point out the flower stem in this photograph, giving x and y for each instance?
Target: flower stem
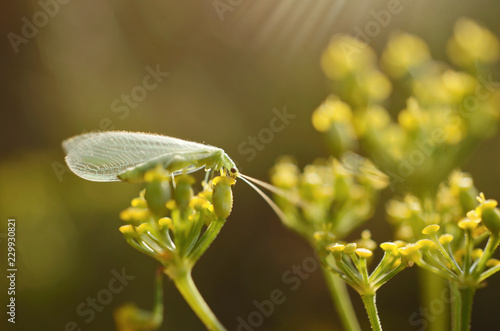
(369, 301)
(467, 295)
(186, 286)
(432, 287)
(456, 306)
(206, 240)
(158, 300)
(342, 301)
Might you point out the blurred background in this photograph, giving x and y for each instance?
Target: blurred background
(221, 68)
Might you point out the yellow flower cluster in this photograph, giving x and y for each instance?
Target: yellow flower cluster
(166, 222)
(447, 109)
(349, 261)
(455, 254)
(410, 214)
(329, 198)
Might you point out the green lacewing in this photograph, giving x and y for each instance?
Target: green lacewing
(120, 155)
(126, 156)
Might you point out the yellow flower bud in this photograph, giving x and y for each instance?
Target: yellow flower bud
(285, 173)
(467, 224)
(166, 222)
(426, 243)
(135, 215)
(363, 252)
(366, 241)
(126, 229)
(389, 247)
(476, 253)
(412, 251)
(375, 85)
(459, 255)
(199, 203)
(492, 263)
(158, 173)
(431, 229)
(472, 43)
(335, 247)
(139, 202)
(445, 239)
(404, 52)
(345, 55)
(473, 216)
(400, 243)
(171, 204)
(409, 249)
(350, 248)
(144, 227)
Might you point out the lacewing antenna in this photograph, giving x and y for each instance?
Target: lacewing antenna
(282, 193)
(269, 201)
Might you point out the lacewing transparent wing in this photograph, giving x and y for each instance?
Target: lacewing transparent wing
(120, 155)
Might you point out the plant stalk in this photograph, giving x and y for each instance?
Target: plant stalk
(369, 300)
(432, 288)
(466, 296)
(342, 301)
(184, 283)
(456, 306)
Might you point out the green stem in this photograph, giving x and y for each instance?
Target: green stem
(466, 298)
(158, 300)
(206, 240)
(469, 246)
(186, 286)
(342, 301)
(488, 252)
(371, 310)
(456, 305)
(488, 273)
(447, 256)
(432, 287)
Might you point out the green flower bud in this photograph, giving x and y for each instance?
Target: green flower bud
(223, 196)
(491, 219)
(157, 194)
(183, 191)
(467, 198)
(490, 215)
